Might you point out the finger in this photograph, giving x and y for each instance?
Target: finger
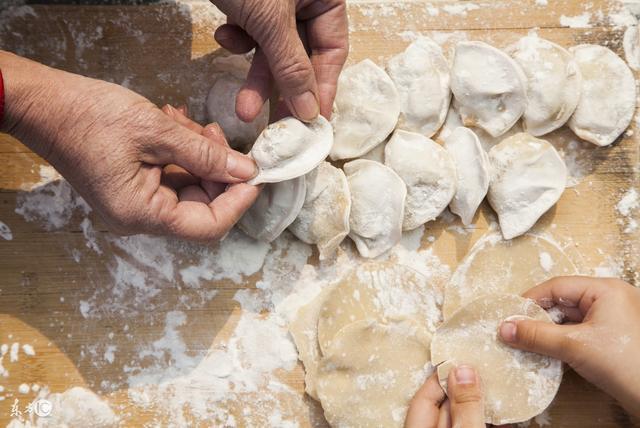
(194, 194)
(182, 119)
(539, 336)
(234, 39)
(213, 189)
(569, 291)
(184, 110)
(175, 177)
(328, 40)
(425, 405)
(256, 90)
(465, 396)
(214, 133)
(202, 222)
(444, 419)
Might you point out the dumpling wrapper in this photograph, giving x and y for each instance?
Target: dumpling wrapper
(489, 87)
(608, 99)
(553, 84)
(421, 75)
(379, 291)
(275, 209)
(528, 176)
(324, 217)
(517, 385)
(290, 148)
(371, 372)
(377, 206)
(473, 172)
(367, 107)
(221, 109)
(427, 170)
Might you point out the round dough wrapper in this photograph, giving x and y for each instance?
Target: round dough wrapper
(608, 99)
(379, 291)
(370, 373)
(495, 266)
(517, 385)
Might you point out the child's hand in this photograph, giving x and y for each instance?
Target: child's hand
(601, 337)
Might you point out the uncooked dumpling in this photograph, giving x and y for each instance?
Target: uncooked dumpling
(380, 291)
(553, 84)
(371, 372)
(517, 385)
(377, 206)
(489, 87)
(275, 209)
(324, 217)
(528, 177)
(472, 171)
(221, 109)
(495, 266)
(367, 106)
(427, 170)
(608, 99)
(290, 148)
(421, 75)
(304, 330)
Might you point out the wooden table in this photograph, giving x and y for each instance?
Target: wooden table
(166, 52)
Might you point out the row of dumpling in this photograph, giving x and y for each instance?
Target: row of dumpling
(415, 179)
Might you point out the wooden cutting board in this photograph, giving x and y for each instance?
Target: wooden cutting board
(166, 52)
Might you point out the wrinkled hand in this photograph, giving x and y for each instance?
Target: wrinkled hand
(142, 170)
(464, 407)
(601, 340)
(283, 31)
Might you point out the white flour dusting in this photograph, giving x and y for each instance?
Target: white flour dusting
(627, 206)
(579, 21)
(5, 232)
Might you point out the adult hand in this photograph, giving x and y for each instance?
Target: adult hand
(464, 407)
(601, 340)
(123, 154)
(282, 31)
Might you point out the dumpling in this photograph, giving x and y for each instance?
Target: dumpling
(608, 99)
(367, 106)
(290, 148)
(324, 217)
(275, 209)
(221, 108)
(528, 176)
(472, 171)
(377, 206)
(489, 87)
(553, 84)
(421, 75)
(428, 172)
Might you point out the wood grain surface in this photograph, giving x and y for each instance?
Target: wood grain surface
(167, 53)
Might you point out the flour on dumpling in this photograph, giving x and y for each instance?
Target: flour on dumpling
(367, 109)
(421, 75)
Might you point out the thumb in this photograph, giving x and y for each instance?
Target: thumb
(536, 336)
(465, 398)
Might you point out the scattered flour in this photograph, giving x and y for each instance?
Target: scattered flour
(5, 232)
(579, 21)
(627, 206)
(460, 9)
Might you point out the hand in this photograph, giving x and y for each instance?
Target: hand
(601, 341)
(123, 154)
(464, 407)
(282, 31)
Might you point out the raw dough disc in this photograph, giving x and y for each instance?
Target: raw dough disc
(370, 373)
(517, 385)
(495, 266)
(304, 330)
(378, 291)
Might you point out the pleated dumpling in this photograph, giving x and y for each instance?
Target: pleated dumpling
(428, 172)
(553, 84)
(489, 87)
(377, 206)
(366, 110)
(289, 148)
(421, 75)
(324, 217)
(276, 208)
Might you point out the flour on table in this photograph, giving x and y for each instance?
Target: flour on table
(5, 232)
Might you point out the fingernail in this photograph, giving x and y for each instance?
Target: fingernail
(508, 331)
(465, 375)
(240, 166)
(305, 106)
